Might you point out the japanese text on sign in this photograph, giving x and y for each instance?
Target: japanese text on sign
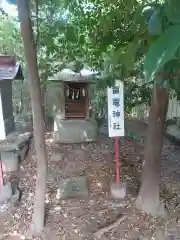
(116, 110)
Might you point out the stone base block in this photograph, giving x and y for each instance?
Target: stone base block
(75, 131)
(118, 191)
(10, 161)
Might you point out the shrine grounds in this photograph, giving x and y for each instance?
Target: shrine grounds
(96, 215)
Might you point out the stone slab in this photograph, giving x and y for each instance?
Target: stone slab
(74, 187)
(73, 168)
(6, 192)
(173, 133)
(75, 131)
(10, 161)
(57, 155)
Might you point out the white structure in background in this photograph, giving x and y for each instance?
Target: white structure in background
(116, 110)
(141, 112)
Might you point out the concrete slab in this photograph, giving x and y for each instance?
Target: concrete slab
(74, 187)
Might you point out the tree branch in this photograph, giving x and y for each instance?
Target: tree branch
(37, 22)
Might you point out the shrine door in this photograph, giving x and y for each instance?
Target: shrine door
(76, 100)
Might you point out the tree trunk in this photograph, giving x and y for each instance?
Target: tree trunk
(38, 120)
(43, 95)
(148, 198)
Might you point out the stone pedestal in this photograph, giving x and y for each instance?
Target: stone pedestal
(14, 149)
(75, 131)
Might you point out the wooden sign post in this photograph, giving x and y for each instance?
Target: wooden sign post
(116, 118)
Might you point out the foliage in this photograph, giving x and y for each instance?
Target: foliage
(161, 51)
(163, 54)
(112, 38)
(10, 38)
(171, 11)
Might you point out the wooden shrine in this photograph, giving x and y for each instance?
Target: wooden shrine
(68, 103)
(76, 100)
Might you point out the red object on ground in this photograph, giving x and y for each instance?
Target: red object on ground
(1, 175)
(117, 162)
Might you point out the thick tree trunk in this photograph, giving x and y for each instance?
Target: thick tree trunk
(148, 198)
(38, 120)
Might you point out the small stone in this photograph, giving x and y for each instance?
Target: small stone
(58, 208)
(16, 216)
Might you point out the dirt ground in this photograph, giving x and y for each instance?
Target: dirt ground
(76, 219)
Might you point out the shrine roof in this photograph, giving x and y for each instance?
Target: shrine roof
(67, 75)
(10, 69)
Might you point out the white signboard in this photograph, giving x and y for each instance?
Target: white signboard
(116, 110)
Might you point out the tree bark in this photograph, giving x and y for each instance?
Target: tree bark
(43, 95)
(38, 120)
(148, 198)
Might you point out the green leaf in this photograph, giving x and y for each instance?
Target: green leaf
(172, 10)
(161, 51)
